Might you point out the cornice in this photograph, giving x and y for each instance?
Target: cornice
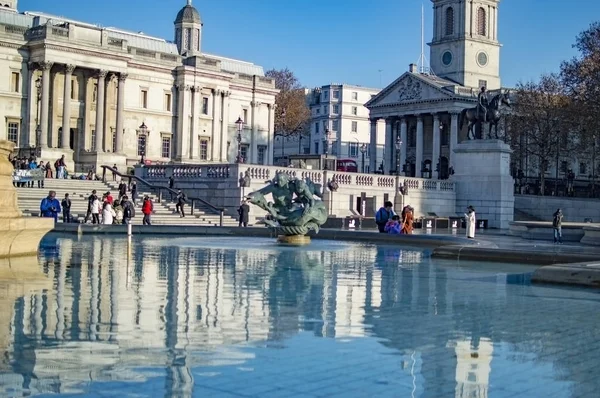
(10, 45)
(49, 46)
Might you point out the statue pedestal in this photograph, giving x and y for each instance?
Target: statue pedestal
(19, 235)
(483, 180)
(294, 240)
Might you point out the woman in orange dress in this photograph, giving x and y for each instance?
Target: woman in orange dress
(407, 220)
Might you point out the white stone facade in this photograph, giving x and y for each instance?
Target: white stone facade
(340, 110)
(188, 100)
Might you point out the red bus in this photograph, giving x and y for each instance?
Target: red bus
(347, 165)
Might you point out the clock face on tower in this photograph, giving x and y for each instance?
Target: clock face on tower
(447, 58)
(482, 59)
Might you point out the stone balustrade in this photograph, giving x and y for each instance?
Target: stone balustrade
(232, 172)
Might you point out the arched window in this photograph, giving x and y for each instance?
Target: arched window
(449, 21)
(481, 22)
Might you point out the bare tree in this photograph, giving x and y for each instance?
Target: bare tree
(292, 114)
(540, 124)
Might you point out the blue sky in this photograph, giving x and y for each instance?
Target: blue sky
(342, 41)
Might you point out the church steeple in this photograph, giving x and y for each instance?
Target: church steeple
(465, 45)
(188, 30)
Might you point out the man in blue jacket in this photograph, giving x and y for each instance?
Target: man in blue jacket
(50, 206)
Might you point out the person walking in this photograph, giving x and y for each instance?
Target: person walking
(114, 172)
(42, 167)
(147, 209)
(66, 209)
(471, 222)
(133, 192)
(557, 220)
(180, 203)
(95, 209)
(108, 214)
(50, 206)
(122, 190)
(91, 199)
(383, 215)
(48, 170)
(128, 210)
(244, 213)
(171, 185)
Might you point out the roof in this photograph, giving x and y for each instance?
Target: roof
(145, 42)
(12, 18)
(237, 66)
(188, 14)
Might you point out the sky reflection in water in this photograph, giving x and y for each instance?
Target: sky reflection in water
(243, 317)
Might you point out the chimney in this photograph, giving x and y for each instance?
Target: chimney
(412, 68)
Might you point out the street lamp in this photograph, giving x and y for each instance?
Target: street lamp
(143, 129)
(240, 124)
(363, 150)
(326, 146)
(398, 148)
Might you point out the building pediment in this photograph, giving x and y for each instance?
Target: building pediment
(409, 88)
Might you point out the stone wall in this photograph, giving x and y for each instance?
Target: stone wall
(574, 209)
(220, 186)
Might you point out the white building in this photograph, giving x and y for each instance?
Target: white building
(116, 81)
(339, 109)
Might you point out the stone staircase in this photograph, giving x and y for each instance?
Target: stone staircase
(79, 190)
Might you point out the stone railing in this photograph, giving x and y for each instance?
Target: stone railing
(233, 172)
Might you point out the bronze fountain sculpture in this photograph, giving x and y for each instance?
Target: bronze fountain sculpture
(296, 209)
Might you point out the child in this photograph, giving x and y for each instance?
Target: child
(393, 226)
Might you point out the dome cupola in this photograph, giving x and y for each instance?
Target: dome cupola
(188, 30)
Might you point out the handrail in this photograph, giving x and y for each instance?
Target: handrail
(160, 188)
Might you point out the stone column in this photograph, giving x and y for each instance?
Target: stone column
(389, 154)
(271, 134)
(193, 139)
(183, 127)
(99, 128)
(66, 124)
(453, 138)
(419, 149)
(87, 116)
(225, 127)
(404, 139)
(254, 127)
(373, 147)
(32, 106)
(216, 135)
(120, 117)
(46, 66)
(435, 161)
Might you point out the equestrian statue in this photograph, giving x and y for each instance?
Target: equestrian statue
(485, 112)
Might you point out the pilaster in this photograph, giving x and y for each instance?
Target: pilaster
(66, 123)
(225, 128)
(435, 161)
(419, 148)
(215, 140)
(120, 117)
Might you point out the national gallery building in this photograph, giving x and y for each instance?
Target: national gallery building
(104, 95)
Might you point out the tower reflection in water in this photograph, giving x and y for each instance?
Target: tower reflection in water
(152, 309)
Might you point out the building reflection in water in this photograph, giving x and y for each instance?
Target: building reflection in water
(119, 307)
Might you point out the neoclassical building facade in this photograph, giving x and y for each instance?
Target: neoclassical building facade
(123, 96)
(421, 108)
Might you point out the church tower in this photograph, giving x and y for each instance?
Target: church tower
(188, 30)
(465, 46)
(8, 5)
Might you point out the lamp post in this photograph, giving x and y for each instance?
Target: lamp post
(363, 151)
(240, 124)
(38, 129)
(326, 147)
(398, 148)
(144, 131)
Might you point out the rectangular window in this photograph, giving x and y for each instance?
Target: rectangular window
(93, 141)
(144, 99)
(325, 108)
(316, 148)
(166, 147)
(355, 110)
(13, 132)
(563, 167)
(354, 96)
(95, 93)
(262, 151)
(73, 82)
(336, 94)
(325, 95)
(324, 125)
(336, 109)
(141, 145)
(317, 125)
(114, 140)
(355, 127)
(205, 105)
(582, 168)
(367, 152)
(203, 149)
(335, 125)
(168, 102)
(318, 110)
(244, 152)
(245, 116)
(15, 82)
(482, 83)
(334, 148)
(353, 149)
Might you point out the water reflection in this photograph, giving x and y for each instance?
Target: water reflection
(190, 317)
